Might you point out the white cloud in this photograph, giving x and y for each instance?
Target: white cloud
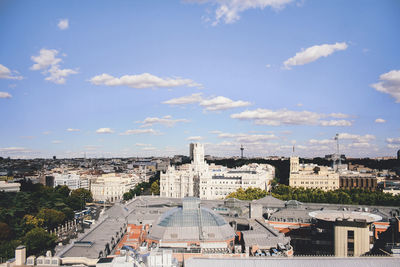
(5, 95)
(6, 73)
(58, 75)
(194, 138)
(46, 132)
(229, 11)
(190, 99)
(13, 150)
(338, 115)
(321, 142)
(395, 140)
(268, 66)
(166, 120)
(379, 120)
(313, 53)
(50, 64)
(72, 130)
(63, 24)
(141, 81)
(56, 142)
(141, 144)
(148, 148)
(222, 103)
(389, 84)
(91, 147)
(246, 138)
(46, 58)
(359, 145)
(287, 117)
(209, 104)
(356, 138)
(335, 123)
(104, 131)
(140, 131)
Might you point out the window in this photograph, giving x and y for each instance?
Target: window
(350, 243)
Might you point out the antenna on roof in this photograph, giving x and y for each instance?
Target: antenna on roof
(338, 158)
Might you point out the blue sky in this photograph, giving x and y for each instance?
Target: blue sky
(139, 78)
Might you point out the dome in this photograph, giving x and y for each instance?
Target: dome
(178, 217)
(191, 222)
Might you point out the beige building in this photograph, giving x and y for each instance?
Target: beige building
(111, 187)
(312, 176)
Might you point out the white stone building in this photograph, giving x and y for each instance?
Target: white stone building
(205, 181)
(72, 180)
(111, 187)
(312, 176)
(9, 187)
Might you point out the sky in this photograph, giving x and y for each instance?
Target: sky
(129, 78)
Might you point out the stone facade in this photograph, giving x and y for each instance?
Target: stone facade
(312, 176)
(205, 181)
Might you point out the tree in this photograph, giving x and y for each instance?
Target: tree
(127, 196)
(52, 218)
(38, 241)
(68, 212)
(75, 203)
(5, 231)
(82, 193)
(63, 190)
(248, 194)
(33, 221)
(155, 188)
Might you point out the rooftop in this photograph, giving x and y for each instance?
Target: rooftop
(334, 215)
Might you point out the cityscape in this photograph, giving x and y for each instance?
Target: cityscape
(199, 133)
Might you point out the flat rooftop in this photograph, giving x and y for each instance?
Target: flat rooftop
(335, 215)
(295, 262)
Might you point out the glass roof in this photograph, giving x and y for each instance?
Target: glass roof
(179, 217)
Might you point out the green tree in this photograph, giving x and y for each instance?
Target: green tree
(51, 218)
(7, 248)
(248, 194)
(127, 196)
(82, 193)
(75, 203)
(38, 241)
(155, 188)
(5, 232)
(69, 213)
(63, 190)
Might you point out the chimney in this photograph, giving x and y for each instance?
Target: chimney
(20, 255)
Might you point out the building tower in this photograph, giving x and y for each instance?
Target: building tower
(337, 159)
(241, 151)
(191, 147)
(294, 164)
(398, 154)
(197, 153)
